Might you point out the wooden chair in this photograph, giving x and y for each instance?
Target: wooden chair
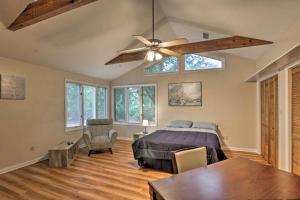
(188, 159)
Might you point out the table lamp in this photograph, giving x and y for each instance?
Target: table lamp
(145, 124)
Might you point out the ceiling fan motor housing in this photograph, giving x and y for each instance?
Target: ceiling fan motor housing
(155, 42)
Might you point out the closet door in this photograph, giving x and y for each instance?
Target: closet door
(273, 121)
(269, 119)
(296, 120)
(264, 120)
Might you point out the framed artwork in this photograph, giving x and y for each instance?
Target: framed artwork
(12, 87)
(185, 94)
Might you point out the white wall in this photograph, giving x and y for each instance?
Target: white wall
(284, 107)
(28, 128)
(227, 100)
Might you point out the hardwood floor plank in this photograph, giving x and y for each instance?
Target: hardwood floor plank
(102, 176)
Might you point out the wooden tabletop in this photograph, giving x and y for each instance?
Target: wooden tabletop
(235, 178)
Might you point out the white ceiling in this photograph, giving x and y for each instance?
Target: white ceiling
(84, 39)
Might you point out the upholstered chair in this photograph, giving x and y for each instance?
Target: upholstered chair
(99, 135)
(189, 159)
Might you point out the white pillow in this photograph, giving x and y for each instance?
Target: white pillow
(180, 124)
(205, 125)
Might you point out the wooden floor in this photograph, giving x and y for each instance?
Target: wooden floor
(101, 176)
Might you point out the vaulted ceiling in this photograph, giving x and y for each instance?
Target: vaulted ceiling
(82, 40)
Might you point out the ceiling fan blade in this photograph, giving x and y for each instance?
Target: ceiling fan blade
(218, 44)
(174, 42)
(169, 52)
(128, 57)
(143, 40)
(133, 50)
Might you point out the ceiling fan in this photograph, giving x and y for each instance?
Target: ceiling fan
(155, 49)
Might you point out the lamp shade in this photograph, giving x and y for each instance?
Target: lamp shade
(145, 122)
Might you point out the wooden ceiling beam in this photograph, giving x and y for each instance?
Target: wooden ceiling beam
(196, 47)
(218, 44)
(44, 9)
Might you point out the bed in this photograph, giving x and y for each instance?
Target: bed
(155, 150)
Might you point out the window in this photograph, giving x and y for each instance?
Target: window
(101, 103)
(119, 98)
(84, 102)
(167, 65)
(89, 103)
(149, 103)
(73, 102)
(132, 104)
(197, 62)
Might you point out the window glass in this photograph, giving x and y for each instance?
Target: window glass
(84, 102)
(119, 98)
(149, 103)
(89, 102)
(170, 64)
(101, 103)
(134, 105)
(197, 62)
(73, 102)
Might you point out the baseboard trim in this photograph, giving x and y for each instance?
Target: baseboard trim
(24, 164)
(30, 162)
(125, 138)
(248, 150)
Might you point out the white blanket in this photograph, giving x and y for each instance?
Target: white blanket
(191, 130)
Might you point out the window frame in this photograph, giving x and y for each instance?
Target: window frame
(126, 122)
(82, 83)
(212, 56)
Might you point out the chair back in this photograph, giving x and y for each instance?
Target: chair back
(99, 127)
(185, 160)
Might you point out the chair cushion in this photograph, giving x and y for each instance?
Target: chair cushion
(99, 142)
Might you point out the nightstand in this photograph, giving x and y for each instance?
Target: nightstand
(138, 135)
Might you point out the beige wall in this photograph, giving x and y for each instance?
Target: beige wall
(38, 121)
(227, 100)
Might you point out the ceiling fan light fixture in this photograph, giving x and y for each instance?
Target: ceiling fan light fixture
(150, 55)
(158, 56)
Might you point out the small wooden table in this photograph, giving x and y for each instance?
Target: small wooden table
(139, 135)
(63, 154)
(232, 179)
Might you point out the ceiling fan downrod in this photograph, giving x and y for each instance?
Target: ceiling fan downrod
(153, 20)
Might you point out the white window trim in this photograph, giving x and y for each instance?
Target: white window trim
(126, 105)
(212, 56)
(70, 129)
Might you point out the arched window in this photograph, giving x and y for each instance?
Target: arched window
(194, 62)
(167, 65)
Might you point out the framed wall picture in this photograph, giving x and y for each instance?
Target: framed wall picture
(12, 87)
(185, 94)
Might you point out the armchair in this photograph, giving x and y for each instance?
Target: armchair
(99, 135)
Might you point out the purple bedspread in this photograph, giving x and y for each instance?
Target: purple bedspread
(160, 145)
